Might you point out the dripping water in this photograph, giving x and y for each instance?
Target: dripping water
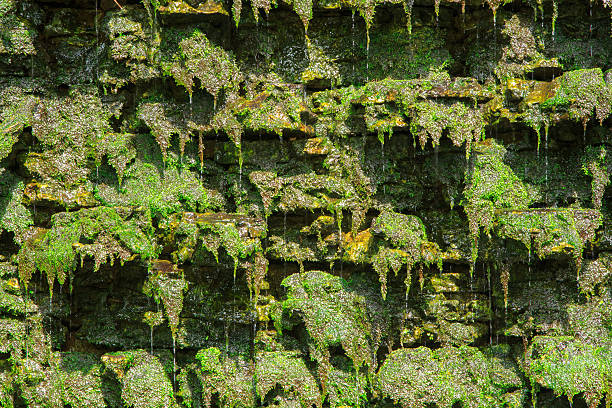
(353, 44)
(97, 40)
(590, 27)
(285, 241)
(368, 54)
(173, 362)
(546, 159)
(490, 306)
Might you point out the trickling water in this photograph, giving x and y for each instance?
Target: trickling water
(367, 55)
(490, 306)
(590, 27)
(546, 159)
(173, 362)
(151, 339)
(353, 44)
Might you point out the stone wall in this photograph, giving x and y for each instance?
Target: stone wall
(333, 203)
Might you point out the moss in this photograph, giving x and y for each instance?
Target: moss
(162, 125)
(149, 183)
(320, 67)
(287, 370)
(594, 273)
(143, 380)
(551, 230)
(430, 119)
(419, 377)
(166, 284)
(491, 184)
(230, 378)
(346, 389)
(16, 111)
(570, 366)
(14, 216)
(333, 314)
(198, 58)
(584, 93)
(77, 378)
(406, 235)
(290, 251)
(596, 165)
(112, 235)
(17, 37)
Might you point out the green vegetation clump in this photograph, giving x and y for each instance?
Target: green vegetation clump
(14, 216)
(167, 285)
(102, 232)
(230, 378)
(584, 93)
(198, 58)
(408, 239)
(162, 125)
(16, 110)
(144, 383)
(333, 315)
(463, 124)
(570, 366)
(16, 36)
(422, 377)
(550, 230)
(490, 185)
(287, 370)
(77, 379)
(596, 165)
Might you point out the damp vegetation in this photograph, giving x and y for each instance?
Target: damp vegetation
(298, 204)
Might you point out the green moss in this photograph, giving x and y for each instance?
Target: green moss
(570, 366)
(167, 285)
(113, 236)
(551, 230)
(198, 58)
(77, 378)
(14, 216)
(406, 234)
(346, 389)
(16, 36)
(595, 164)
(162, 188)
(420, 377)
(15, 113)
(287, 370)
(230, 378)
(491, 184)
(144, 384)
(333, 314)
(584, 93)
(320, 66)
(162, 124)
(430, 119)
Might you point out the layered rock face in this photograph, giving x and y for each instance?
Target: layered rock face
(294, 204)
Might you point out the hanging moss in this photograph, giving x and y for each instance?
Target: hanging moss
(406, 234)
(198, 58)
(596, 165)
(491, 184)
(594, 273)
(333, 315)
(570, 366)
(346, 389)
(420, 377)
(431, 119)
(551, 230)
(166, 284)
(16, 110)
(584, 93)
(230, 378)
(287, 370)
(14, 217)
(149, 182)
(18, 37)
(320, 66)
(144, 384)
(113, 236)
(162, 125)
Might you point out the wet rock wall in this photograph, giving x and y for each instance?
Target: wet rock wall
(305, 204)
